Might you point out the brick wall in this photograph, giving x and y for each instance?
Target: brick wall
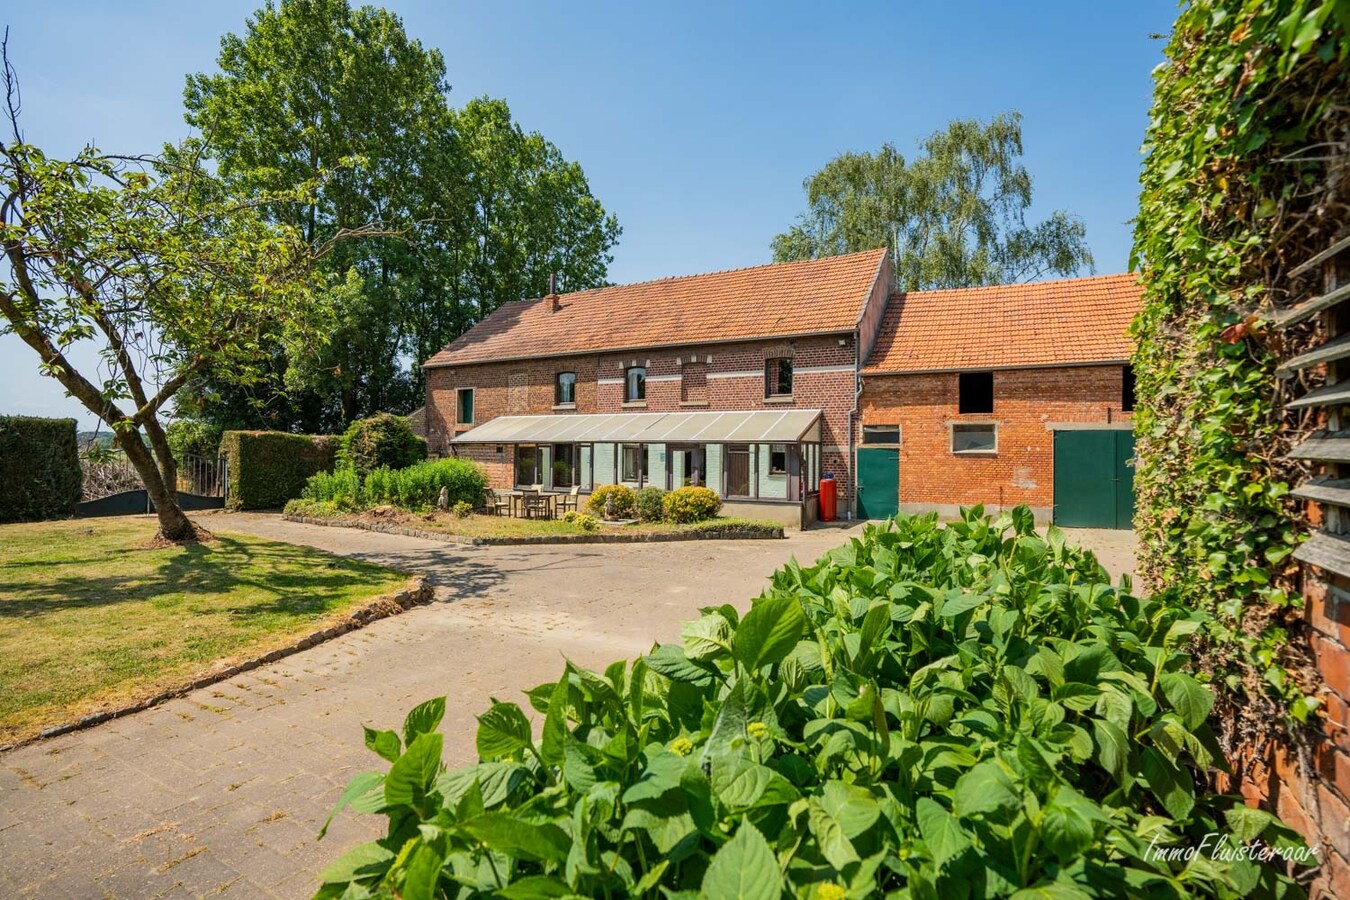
(729, 376)
(1310, 790)
(1026, 401)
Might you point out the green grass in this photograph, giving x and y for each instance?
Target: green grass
(480, 526)
(89, 620)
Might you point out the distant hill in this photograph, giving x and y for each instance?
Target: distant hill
(99, 439)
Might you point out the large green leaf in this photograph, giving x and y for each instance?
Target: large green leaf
(669, 660)
(502, 731)
(359, 786)
(986, 790)
(940, 829)
(769, 631)
(744, 868)
(413, 773)
(423, 718)
(384, 743)
(514, 837)
(362, 861)
(1188, 697)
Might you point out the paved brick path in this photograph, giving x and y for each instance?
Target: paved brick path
(220, 793)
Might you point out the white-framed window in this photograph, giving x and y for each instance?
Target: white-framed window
(633, 463)
(565, 389)
(974, 437)
(635, 384)
(464, 406)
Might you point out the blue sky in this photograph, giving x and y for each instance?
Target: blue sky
(695, 122)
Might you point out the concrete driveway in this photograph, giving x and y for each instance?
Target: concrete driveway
(221, 792)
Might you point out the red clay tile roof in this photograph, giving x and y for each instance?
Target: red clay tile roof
(1078, 320)
(813, 296)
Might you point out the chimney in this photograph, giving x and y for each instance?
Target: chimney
(554, 304)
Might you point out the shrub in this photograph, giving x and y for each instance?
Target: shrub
(381, 440)
(648, 505)
(419, 486)
(193, 437)
(928, 711)
(624, 497)
(691, 504)
(581, 520)
(341, 488)
(267, 468)
(313, 509)
(40, 475)
(463, 509)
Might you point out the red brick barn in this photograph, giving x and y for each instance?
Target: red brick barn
(1001, 396)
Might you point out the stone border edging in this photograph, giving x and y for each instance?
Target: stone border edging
(416, 591)
(735, 533)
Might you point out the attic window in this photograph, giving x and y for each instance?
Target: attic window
(975, 392)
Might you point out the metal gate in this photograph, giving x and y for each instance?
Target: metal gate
(112, 487)
(878, 482)
(1094, 479)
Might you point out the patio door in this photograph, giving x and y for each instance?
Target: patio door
(564, 465)
(738, 470)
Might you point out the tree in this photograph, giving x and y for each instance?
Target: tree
(955, 217)
(154, 262)
(485, 208)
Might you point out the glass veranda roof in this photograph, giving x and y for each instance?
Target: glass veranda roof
(733, 426)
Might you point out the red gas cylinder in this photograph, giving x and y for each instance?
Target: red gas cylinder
(828, 498)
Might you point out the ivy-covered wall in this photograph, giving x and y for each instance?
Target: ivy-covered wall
(1240, 185)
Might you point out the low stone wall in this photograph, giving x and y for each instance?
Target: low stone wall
(416, 591)
(731, 533)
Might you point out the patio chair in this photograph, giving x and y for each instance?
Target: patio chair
(536, 504)
(495, 505)
(568, 502)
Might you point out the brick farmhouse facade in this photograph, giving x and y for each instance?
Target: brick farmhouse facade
(819, 338)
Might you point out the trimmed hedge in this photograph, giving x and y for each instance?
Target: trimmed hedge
(267, 468)
(381, 440)
(40, 475)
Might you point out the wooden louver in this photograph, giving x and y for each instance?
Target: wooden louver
(1329, 547)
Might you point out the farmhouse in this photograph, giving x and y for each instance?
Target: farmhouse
(757, 381)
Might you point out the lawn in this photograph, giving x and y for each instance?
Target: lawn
(489, 527)
(89, 620)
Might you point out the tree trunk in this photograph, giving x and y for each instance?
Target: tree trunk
(173, 523)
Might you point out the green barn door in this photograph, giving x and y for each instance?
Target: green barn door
(1094, 479)
(878, 483)
(1124, 479)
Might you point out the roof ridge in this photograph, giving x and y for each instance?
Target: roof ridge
(1019, 285)
(768, 265)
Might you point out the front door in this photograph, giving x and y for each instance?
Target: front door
(1094, 479)
(878, 482)
(738, 471)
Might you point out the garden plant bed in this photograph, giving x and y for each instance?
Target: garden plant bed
(93, 626)
(479, 530)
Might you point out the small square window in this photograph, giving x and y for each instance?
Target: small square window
(464, 406)
(1127, 389)
(778, 377)
(975, 392)
(974, 438)
(778, 459)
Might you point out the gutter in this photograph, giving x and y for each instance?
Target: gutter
(593, 351)
(1067, 364)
